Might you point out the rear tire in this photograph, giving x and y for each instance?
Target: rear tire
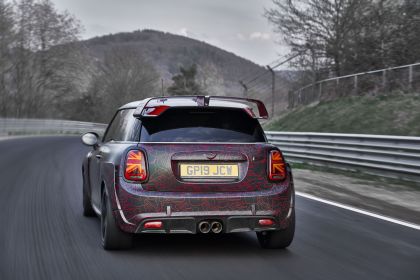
(112, 237)
(278, 239)
(87, 204)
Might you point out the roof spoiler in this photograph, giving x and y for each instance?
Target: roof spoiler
(155, 106)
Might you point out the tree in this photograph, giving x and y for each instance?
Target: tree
(52, 34)
(210, 79)
(405, 47)
(122, 77)
(319, 30)
(6, 44)
(42, 54)
(184, 83)
(389, 39)
(348, 36)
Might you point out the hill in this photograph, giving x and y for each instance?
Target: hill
(393, 114)
(219, 70)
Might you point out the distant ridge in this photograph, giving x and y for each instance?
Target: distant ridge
(220, 70)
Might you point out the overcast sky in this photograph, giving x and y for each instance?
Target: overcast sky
(235, 25)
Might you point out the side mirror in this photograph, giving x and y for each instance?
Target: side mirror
(90, 139)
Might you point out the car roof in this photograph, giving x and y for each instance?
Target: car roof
(131, 105)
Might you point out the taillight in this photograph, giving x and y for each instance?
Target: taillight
(135, 166)
(155, 111)
(277, 167)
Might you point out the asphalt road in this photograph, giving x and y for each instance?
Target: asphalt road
(43, 234)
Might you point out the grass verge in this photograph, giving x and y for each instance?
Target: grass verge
(392, 114)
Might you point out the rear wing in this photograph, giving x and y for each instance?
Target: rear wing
(154, 107)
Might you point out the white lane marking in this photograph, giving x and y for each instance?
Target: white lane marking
(364, 212)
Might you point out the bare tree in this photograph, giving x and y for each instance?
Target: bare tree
(318, 29)
(405, 47)
(348, 36)
(52, 28)
(123, 76)
(210, 79)
(38, 61)
(6, 41)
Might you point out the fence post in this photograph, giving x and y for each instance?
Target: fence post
(337, 84)
(355, 85)
(290, 99)
(410, 77)
(320, 91)
(300, 97)
(384, 80)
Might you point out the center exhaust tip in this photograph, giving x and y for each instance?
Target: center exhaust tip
(204, 227)
(216, 227)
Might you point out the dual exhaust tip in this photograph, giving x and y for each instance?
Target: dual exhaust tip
(206, 227)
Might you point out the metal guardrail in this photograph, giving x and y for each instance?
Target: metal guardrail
(390, 156)
(44, 126)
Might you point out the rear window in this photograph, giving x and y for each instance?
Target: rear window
(210, 125)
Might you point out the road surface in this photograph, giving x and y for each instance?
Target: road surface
(43, 234)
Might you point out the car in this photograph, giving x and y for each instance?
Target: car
(188, 164)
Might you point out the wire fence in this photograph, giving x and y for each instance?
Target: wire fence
(404, 78)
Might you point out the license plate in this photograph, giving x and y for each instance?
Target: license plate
(209, 171)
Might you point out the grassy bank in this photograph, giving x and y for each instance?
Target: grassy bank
(393, 114)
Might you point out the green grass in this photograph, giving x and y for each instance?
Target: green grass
(393, 114)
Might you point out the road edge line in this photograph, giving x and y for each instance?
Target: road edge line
(360, 211)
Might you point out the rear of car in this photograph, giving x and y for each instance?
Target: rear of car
(202, 167)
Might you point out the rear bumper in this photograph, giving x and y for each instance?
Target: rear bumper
(230, 224)
(181, 212)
